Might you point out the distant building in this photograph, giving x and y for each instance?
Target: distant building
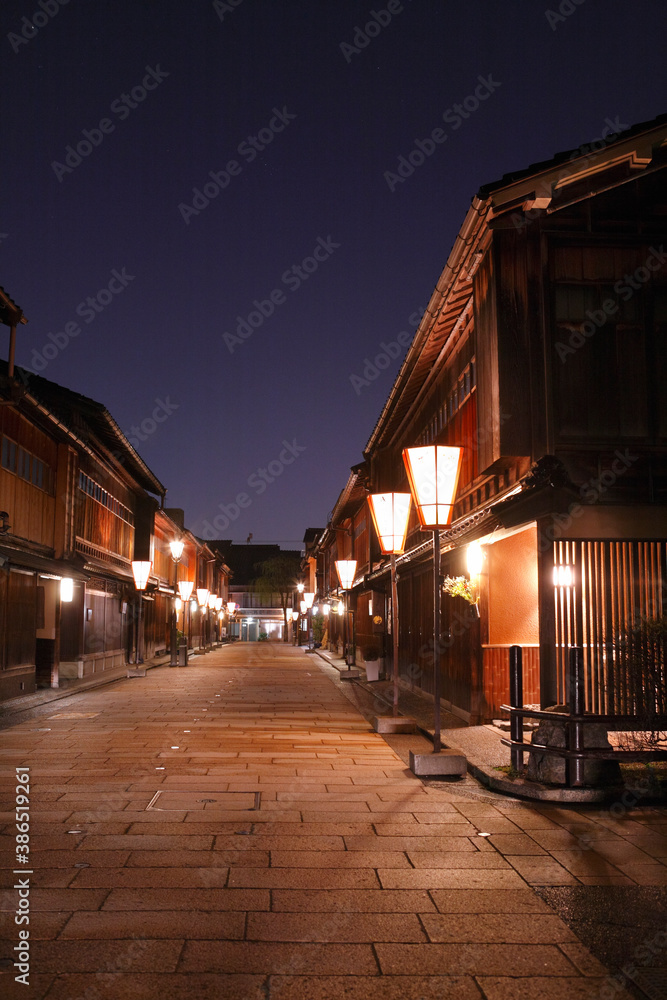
(257, 612)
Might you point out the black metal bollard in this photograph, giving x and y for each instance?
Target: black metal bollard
(575, 766)
(516, 701)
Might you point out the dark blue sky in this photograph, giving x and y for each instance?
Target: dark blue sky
(172, 92)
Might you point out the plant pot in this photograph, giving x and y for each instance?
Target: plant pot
(372, 668)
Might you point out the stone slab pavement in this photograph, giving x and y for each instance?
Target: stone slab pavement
(236, 829)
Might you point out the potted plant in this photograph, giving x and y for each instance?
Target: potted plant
(371, 656)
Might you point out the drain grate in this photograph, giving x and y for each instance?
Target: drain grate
(652, 982)
(176, 800)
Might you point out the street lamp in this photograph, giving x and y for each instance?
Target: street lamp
(202, 601)
(185, 588)
(433, 473)
(140, 571)
(231, 608)
(390, 513)
(176, 546)
(308, 599)
(295, 630)
(346, 568)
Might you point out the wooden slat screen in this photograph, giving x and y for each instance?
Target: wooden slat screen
(617, 584)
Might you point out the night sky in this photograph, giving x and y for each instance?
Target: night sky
(205, 223)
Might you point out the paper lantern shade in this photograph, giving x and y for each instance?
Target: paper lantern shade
(433, 473)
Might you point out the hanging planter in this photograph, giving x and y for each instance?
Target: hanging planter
(460, 586)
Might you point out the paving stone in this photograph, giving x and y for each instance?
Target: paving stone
(541, 870)
(189, 924)
(152, 878)
(278, 959)
(379, 988)
(419, 844)
(302, 878)
(67, 899)
(149, 842)
(455, 859)
(516, 843)
(334, 926)
(139, 954)
(472, 959)
(351, 901)
(263, 842)
(184, 899)
(196, 859)
(497, 928)
(553, 988)
(339, 859)
(147, 986)
(521, 900)
(452, 878)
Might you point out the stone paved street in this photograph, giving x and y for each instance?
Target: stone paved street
(236, 829)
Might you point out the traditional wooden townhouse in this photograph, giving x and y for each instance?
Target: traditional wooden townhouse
(78, 505)
(543, 356)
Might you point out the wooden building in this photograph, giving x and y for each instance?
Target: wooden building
(543, 354)
(80, 505)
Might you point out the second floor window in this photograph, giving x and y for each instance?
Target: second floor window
(24, 464)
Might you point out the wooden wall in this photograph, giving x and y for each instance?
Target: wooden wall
(31, 509)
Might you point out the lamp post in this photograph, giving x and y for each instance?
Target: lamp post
(210, 604)
(346, 568)
(231, 608)
(176, 546)
(308, 599)
(185, 590)
(140, 571)
(390, 513)
(202, 601)
(433, 473)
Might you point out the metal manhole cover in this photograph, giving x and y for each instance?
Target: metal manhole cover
(175, 800)
(75, 715)
(652, 982)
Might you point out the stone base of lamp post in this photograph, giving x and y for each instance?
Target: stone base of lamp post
(136, 672)
(392, 724)
(444, 762)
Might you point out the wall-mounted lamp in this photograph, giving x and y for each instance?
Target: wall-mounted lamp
(563, 576)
